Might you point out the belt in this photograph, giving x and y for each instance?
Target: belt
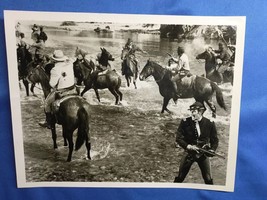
(68, 88)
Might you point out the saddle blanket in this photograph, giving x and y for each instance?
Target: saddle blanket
(188, 81)
(57, 102)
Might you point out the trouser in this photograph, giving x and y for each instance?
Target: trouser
(186, 163)
(124, 65)
(177, 78)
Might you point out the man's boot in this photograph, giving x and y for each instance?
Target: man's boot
(47, 122)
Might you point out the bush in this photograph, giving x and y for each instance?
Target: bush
(68, 23)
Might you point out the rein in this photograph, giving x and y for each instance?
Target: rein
(43, 70)
(162, 74)
(160, 79)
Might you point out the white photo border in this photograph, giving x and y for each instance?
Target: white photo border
(10, 19)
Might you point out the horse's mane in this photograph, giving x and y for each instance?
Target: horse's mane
(156, 64)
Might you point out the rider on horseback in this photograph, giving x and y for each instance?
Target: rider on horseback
(61, 82)
(132, 48)
(103, 65)
(179, 68)
(21, 42)
(222, 59)
(38, 50)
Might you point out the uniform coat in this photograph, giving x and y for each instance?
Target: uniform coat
(186, 133)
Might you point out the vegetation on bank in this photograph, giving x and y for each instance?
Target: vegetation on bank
(227, 33)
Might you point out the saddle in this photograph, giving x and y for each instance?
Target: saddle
(187, 81)
(103, 72)
(63, 95)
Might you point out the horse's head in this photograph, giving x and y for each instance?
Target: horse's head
(147, 70)
(78, 71)
(37, 74)
(23, 55)
(206, 55)
(104, 57)
(124, 52)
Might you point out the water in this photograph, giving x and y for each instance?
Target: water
(114, 41)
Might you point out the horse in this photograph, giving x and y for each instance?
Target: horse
(212, 71)
(106, 79)
(78, 67)
(24, 58)
(200, 88)
(129, 66)
(72, 114)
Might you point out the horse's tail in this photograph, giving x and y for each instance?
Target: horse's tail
(83, 128)
(219, 95)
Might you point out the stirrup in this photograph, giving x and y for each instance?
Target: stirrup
(45, 125)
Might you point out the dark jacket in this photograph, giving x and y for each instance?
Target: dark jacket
(186, 133)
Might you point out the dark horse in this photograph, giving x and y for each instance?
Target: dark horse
(24, 58)
(106, 79)
(73, 113)
(130, 67)
(79, 67)
(197, 87)
(211, 68)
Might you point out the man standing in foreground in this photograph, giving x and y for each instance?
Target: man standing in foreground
(196, 132)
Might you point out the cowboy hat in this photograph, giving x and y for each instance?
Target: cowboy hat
(58, 55)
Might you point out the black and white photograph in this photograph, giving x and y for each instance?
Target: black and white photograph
(116, 100)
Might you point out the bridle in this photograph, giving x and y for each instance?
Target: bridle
(161, 74)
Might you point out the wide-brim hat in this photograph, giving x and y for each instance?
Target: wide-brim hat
(197, 106)
(58, 55)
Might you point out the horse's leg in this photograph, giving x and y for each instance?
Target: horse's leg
(134, 82)
(26, 84)
(64, 136)
(128, 80)
(97, 94)
(88, 143)
(70, 141)
(54, 134)
(32, 87)
(115, 94)
(120, 94)
(212, 106)
(85, 90)
(165, 103)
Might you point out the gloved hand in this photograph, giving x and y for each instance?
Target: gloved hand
(192, 148)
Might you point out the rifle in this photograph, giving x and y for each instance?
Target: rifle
(211, 153)
(169, 54)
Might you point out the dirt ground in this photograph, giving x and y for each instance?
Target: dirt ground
(130, 143)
